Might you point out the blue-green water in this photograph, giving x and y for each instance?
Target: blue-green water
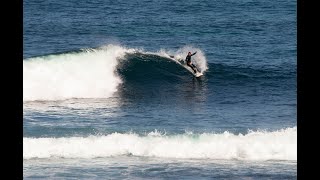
(103, 98)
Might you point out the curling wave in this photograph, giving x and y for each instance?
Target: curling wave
(101, 72)
(94, 73)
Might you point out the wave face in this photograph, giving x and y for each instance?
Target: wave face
(258, 145)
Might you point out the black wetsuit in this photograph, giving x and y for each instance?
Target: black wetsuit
(188, 60)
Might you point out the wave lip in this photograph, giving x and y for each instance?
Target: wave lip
(258, 145)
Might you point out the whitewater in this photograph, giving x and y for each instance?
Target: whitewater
(255, 145)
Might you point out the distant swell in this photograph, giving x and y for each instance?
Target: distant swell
(259, 145)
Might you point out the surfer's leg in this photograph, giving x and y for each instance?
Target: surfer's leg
(194, 68)
(191, 67)
(195, 71)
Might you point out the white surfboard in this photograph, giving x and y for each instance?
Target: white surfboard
(197, 74)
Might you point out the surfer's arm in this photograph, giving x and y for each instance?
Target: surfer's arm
(194, 53)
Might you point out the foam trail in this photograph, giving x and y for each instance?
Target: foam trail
(259, 145)
(88, 74)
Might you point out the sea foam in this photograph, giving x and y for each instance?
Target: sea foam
(255, 145)
(86, 74)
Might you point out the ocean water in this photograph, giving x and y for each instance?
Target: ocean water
(103, 100)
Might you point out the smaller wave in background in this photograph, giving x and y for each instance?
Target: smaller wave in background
(255, 145)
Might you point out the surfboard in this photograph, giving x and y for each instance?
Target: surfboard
(197, 74)
(183, 64)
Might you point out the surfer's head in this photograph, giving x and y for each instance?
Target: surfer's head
(189, 53)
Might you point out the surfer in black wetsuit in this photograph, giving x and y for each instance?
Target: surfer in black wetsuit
(188, 60)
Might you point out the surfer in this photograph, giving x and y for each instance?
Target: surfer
(188, 60)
